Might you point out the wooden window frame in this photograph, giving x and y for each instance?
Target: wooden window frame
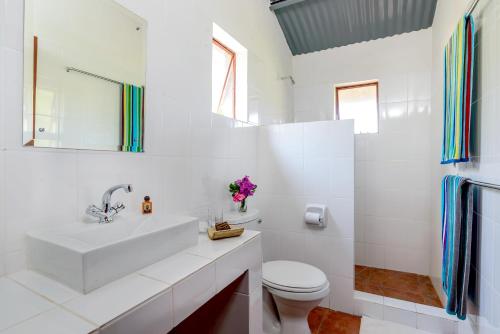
(344, 87)
(231, 68)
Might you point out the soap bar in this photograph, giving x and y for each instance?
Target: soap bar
(222, 226)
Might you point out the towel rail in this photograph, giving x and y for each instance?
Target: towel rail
(72, 69)
(472, 6)
(484, 184)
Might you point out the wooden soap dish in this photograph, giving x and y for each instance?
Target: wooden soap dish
(232, 232)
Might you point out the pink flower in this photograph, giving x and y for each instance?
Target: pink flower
(238, 197)
(246, 187)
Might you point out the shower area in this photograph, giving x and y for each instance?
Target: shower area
(393, 216)
(397, 237)
(394, 189)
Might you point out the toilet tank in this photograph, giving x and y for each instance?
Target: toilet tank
(250, 219)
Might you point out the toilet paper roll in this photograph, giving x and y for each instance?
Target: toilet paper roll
(312, 218)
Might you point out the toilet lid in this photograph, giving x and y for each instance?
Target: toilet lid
(293, 276)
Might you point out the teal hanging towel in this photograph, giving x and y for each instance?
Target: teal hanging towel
(456, 221)
(132, 118)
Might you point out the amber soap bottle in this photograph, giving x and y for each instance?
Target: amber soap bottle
(147, 206)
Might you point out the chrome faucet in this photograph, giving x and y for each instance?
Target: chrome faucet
(107, 212)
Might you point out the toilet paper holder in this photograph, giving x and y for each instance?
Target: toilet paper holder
(315, 215)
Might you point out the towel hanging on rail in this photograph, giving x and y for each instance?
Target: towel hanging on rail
(456, 221)
(458, 84)
(132, 118)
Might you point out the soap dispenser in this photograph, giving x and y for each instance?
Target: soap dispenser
(147, 205)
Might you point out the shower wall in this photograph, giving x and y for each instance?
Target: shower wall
(303, 163)
(392, 216)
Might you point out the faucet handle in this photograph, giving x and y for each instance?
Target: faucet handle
(119, 206)
(93, 210)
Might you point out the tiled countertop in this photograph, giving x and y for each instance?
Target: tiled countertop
(31, 301)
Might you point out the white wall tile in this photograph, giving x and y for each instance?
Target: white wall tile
(328, 150)
(41, 181)
(390, 173)
(342, 264)
(369, 309)
(12, 69)
(292, 246)
(318, 177)
(342, 294)
(375, 255)
(317, 136)
(175, 173)
(2, 215)
(93, 179)
(400, 316)
(359, 254)
(14, 261)
(318, 252)
(436, 324)
(369, 305)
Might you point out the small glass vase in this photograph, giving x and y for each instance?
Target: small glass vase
(243, 206)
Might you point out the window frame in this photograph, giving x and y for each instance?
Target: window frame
(358, 85)
(231, 69)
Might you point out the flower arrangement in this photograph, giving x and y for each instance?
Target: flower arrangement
(240, 190)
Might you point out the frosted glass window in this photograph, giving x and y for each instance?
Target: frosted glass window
(360, 103)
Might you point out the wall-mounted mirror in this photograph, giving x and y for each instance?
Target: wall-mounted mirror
(84, 75)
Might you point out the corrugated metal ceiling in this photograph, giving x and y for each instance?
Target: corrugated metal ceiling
(314, 25)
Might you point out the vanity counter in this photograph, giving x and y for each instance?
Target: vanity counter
(154, 299)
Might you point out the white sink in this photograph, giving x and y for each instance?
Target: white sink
(86, 256)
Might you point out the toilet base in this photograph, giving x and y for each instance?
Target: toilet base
(293, 314)
(288, 316)
(270, 314)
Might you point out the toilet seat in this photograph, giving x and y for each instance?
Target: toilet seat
(292, 289)
(298, 296)
(293, 277)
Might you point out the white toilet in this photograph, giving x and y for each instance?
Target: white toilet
(291, 290)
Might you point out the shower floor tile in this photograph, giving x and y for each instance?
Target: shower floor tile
(396, 284)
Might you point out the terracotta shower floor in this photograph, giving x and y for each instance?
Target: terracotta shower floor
(396, 284)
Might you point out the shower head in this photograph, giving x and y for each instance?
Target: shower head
(289, 77)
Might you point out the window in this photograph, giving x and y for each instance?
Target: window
(360, 103)
(229, 76)
(223, 80)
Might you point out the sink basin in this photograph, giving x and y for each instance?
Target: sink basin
(86, 256)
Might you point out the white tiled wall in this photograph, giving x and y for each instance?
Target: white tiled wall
(303, 163)
(484, 293)
(191, 155)
(392, 216)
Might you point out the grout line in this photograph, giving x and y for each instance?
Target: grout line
(322, 319)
